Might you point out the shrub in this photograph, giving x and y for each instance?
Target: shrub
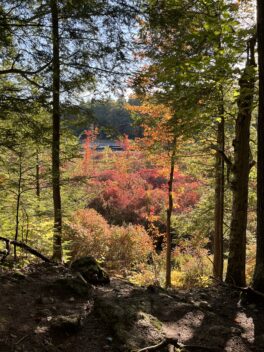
(130, 246)
(119, 247)
(88, 233)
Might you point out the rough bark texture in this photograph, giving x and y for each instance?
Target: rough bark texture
(169, 212)
(219, 199)
(57, 246)
(258, 281)
(241, 167)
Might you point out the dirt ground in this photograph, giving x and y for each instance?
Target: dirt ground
(38, 314)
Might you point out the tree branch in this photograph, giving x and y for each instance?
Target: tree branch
(24, 72)
(226, 159)
(23, 246)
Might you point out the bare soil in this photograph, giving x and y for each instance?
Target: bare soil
(37, 314)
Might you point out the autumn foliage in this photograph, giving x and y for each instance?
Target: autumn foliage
(125, 214)
(117, 247)
(137, 196)
(129, 188)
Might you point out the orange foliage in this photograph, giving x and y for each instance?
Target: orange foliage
(90, 137)
(117, 246)
(155, 122)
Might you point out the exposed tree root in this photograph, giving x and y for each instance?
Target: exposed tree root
(165, 342)
(175, 343)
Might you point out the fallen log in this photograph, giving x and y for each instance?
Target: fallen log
(23, 246)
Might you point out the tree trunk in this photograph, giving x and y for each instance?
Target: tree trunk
(18, 203)
(258, 280)
(57, 242)
(240, 169)
(218, 262)
(219, 198)
(37, 174)
(169, 212)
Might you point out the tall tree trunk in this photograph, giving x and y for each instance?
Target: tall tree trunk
(18, 203)
(219, 197)
(258, 280)
(37, 174)
(219, 170)
(240, 169)
(169, 212)
(57, 242)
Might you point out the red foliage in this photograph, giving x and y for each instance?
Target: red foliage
(153, 177)
(140, 196)
(125, 142)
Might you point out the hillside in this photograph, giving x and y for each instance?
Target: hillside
(41, 311)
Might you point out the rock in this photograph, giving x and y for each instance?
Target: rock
(69, 323)
(132, 326)
(90, 270)
(200, 304)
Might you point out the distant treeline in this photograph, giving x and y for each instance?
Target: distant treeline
(110, 117)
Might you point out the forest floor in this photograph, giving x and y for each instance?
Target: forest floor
(40, 311)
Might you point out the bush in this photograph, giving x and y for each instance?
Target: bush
(88, 233)
(130, 245)
(119, 247)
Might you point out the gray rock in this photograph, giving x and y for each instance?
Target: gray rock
(90, 270)
(69, 323)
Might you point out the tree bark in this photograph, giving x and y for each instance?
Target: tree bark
(18, 203)
(258, 280)
(240, 170)
(219, 198)
(37, 174)
(57, 242)
(169, 212)
(218, 262)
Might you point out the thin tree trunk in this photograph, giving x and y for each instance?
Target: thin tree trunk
(169, 212)
(37, 174)
(219, 198)
(219, 173)
(258, 280)
(18, 204)
(57, 242)
(241, 167)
